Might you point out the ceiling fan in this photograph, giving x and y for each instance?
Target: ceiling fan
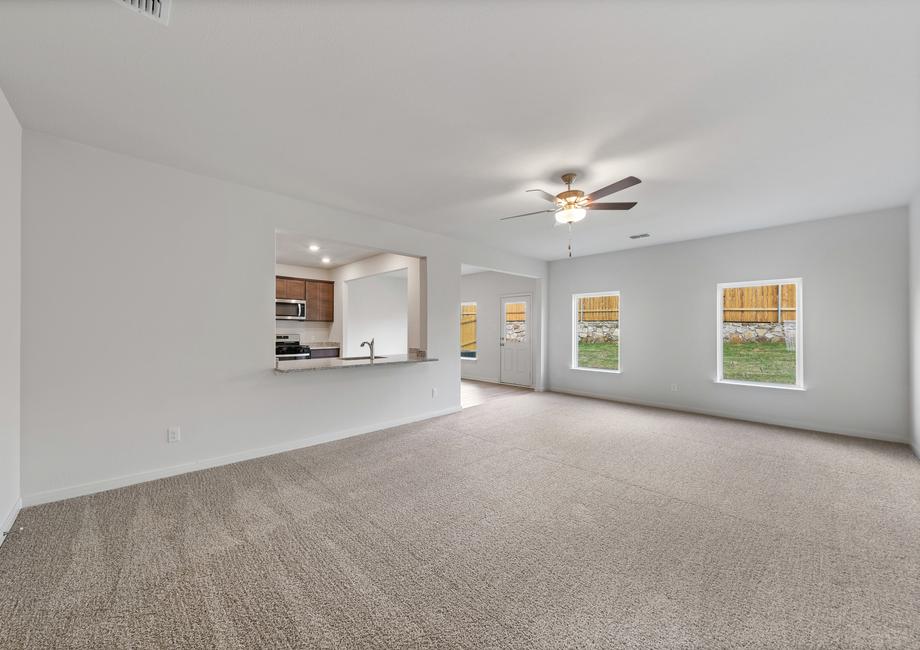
(571, 206)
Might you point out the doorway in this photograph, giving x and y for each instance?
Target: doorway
(516, 341)
(494, 306)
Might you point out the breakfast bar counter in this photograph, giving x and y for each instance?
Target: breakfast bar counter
(304, 365)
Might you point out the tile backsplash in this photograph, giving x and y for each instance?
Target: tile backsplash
(309, 331)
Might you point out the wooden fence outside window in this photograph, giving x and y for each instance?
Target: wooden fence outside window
(515, 312)
(598, 308)
(759, 304)
(468, 328)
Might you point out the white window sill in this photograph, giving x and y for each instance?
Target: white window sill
(606, 370)
(469, 359)
(758, 384)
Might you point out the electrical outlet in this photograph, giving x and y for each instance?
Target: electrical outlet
(675, 388)
(434, 393)
(173, 434)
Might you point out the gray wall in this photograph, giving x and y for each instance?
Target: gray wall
(915, 322)
(378, 309)
(486, 290)
(854, 271)
(10, 301)
(117, 249)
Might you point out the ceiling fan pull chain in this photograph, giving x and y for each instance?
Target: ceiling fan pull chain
(570, 240)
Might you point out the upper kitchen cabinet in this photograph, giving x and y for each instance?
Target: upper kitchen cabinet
(320, 300)
(319, 295)
(290, 288)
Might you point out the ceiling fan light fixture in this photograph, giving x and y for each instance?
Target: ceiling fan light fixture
(570, 214)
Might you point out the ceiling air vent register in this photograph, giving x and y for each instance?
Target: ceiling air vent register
(157, 10)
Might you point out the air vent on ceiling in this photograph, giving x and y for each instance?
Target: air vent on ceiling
(157, 10)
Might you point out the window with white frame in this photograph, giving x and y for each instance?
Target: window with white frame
(760, 333)
(468, 330)
(596, 331)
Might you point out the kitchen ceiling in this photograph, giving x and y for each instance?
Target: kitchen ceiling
(735, 115)
(294, 248)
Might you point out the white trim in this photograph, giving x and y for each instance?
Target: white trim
(10, 519)
(606, 370)
(488, 381)
(82, 489)
(773, 422)
(758, 384)
(799, 333)
(573, 359)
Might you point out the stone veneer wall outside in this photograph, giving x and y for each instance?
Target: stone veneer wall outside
(599, 331)
(609, 331)
(516, 332)
(760, 332)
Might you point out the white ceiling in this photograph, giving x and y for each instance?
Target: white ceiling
(294, 248)
(736, 115)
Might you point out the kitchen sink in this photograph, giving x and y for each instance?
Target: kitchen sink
(359, 358)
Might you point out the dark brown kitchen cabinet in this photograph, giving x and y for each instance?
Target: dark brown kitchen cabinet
(320, 300)
(289, 288)
(324, 353)
(319, 294)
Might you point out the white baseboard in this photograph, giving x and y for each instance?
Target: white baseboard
(10, 519)
(82, 489)
(776, 422)
(498, 382)
(482, 379)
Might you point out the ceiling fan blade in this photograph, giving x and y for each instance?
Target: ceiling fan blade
(544, 195)
(611, 206)
(629, 181)
(526, 214)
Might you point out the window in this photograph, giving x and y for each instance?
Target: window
(515, 322)
(596, 331)
(760, 333)
(468, 330)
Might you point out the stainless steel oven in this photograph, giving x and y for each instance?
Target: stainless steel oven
(290, 309)
(288, 348)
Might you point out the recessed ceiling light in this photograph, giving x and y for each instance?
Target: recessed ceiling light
(326, 260)
(314, 248)
(642, 236)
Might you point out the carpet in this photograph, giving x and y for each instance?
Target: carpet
(543, 521)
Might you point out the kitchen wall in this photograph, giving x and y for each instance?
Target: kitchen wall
(306, 272)
(191, 260)
(914, 243)
(854, 271)
(377, 308)
(309, 331)
(10, 311)
(486, 290)
(417, 272)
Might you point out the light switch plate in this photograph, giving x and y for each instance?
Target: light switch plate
(173, 434)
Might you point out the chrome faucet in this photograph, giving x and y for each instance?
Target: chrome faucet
(370, 345)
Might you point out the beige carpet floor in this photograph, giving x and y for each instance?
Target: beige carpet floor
(474, 393)
(543, 521)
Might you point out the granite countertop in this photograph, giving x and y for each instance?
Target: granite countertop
(284, 367)
(323, 345)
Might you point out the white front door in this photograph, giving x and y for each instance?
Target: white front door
(517, 360)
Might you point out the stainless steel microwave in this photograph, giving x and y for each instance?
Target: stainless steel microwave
(290, 309)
